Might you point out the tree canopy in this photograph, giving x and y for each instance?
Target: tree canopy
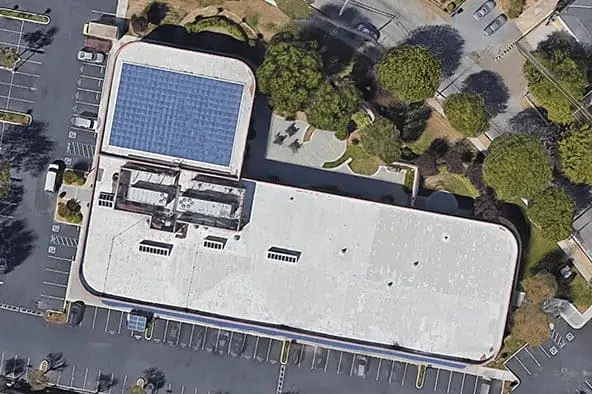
(409, 72)
(4, 179)
(566, 70)
(530, 324)
(517, 166)
(553, 211)
(575, 155)
(381, 139)
(540, 287)
(466, 113)
(289, 73)
(333, 105)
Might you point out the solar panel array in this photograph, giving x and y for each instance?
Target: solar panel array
(136, 323)
(176, 114)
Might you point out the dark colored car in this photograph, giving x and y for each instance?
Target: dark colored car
(76, 313)
(368, 29)
(484, 10)
(495, 25)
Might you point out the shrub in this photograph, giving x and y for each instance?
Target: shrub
(8, 57)
(361, 119)
(454, 162)
(217, 22)
(466, 113)
(515, 8)
(540, 287)
(575, 153)
(341, 135)
(139, 23)
(381, 139)
(426, 163)
(530, 324)
(450, 7)
(553, 212)
(73, 178)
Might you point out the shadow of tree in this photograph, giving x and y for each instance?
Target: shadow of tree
(27, 147)
(363, 76)
(206, 41)
(39, 39)
(530, 121)
(411, 120)
(551, 263)
(56, 361)
(350, 15)
(13, 199)
(491, 87)
(154, 377)
(157, 12)
(16, 243)
(444, 42)
(335, 53)
(14, 367)
(106, 382)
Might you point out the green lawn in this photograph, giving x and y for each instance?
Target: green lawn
(538, 247)
(581, 294)
(361, 163)
(454, 183)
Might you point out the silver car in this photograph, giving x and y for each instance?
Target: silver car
(484, 10)
(91, 57)
(495, 25)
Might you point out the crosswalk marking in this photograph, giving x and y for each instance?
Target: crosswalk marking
(64, 241)
(79, 149)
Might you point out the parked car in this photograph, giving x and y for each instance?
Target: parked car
(368, 29)
(76, 313)
(361, 366)
(91, 57)
(51, 178)
(484, 10)
(495, 25)
(84, 122)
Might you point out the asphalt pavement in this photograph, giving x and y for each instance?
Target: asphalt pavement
(51, 85)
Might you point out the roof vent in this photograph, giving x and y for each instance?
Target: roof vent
(213, 242)
(106, 199)
(285, 255)
(153, 247)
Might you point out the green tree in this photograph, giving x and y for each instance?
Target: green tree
(409, 72)
(553, 211)
(289, 74)
(540, 287)
(333, 105)
(37, 379)
(575, 155)
(466, 113)
(530, 324)
(517, 166)
(381, 139)
(566, 70)
(4, 179)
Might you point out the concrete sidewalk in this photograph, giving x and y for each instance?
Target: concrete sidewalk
(575, 318)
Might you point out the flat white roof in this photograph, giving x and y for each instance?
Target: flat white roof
(364, 271)
(179, 106)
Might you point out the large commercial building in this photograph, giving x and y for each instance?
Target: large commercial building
(174, 226)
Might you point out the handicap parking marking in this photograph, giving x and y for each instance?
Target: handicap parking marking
(60, 240)
(558, 339)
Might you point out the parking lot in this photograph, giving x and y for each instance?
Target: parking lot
(560, 365)
(307, 365)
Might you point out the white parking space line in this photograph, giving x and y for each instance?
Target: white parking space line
(588, 383)
(10, 31)
(52, 297)
(19, 86)
(326, 358)
(476, 384)
(449, 381)
(191, 337)
(254, 350)
(268, 350)
(89, 90)
(339, 363)
(85, 103)
(437, 376)
(60, 258)
(94, 318)
(378, 370)
(56, 271)
(522, 364)
(391, 372)
(32, 62)
(8, 98)
(119, 328)
(72, 379)
(102, 12)
(91, 77)
(404, 374)
(27, 74)
(107, 319)
(18, 46)
(544, 351)
(462, 385)
(54, 284)
(85, 377)
(535, 360)
(123, 386)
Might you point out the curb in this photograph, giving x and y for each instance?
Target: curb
(24, 13)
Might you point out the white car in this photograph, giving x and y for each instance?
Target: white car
(51, 177)
(84, 122)
(91, 57)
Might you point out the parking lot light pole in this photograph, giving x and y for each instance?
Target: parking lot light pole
(343, 7)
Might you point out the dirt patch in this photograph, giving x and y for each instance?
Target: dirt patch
(437, 127)
(259, 15)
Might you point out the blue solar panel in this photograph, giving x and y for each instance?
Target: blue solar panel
(176, 114)
(136, 323)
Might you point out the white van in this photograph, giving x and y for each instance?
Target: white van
(51, 178)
